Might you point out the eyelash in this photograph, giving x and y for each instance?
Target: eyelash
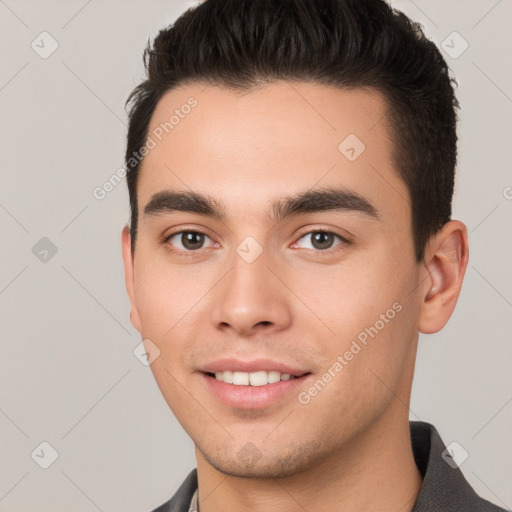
(193, 254)
(318, 252)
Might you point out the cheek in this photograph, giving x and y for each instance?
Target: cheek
(347, 298)
(365, 315)
(165, 300)
(367, 358)
(165, 295)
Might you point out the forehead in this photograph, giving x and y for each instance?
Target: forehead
(277, 139)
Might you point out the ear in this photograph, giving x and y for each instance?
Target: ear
(128, 259)
(444, 266)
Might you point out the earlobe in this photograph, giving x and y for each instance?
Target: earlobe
(445, 263)
(129, 276)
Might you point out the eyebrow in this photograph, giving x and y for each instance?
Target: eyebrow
(311, 201)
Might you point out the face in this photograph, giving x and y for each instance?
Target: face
(292, 254)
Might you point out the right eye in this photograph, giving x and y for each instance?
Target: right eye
(188, 241)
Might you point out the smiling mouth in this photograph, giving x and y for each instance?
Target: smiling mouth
(258, 378)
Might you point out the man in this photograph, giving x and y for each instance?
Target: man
(291, 168)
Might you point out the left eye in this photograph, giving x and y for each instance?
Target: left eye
(188, 240)
(321, 240)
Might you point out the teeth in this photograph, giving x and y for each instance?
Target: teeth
(257, 378)
(273, 377)
(260, 378)
(241, 378)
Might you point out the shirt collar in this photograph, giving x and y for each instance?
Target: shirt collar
(193, 503)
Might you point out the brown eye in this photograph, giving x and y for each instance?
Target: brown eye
(192, 240)
(320, 240)
(187, 241)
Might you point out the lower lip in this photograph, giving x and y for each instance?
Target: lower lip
(253, 397)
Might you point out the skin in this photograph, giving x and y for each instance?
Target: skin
(349, 447)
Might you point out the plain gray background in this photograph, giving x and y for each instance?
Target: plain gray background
(68, 373)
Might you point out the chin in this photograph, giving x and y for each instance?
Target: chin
(249, 462)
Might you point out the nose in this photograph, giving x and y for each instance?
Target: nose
(252, 298)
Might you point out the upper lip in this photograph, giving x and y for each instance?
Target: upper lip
(237, 365)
